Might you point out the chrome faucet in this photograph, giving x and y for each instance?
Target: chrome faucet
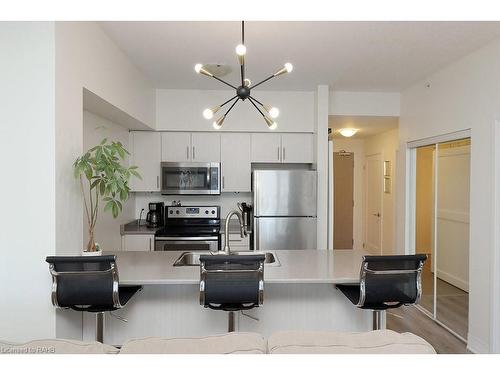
(243, 230)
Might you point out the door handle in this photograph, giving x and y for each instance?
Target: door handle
(377, 214)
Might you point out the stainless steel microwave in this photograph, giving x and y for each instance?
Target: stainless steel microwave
(190, 178)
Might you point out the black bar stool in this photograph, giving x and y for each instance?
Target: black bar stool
(232, 283)
(88, 283)
(386, 282)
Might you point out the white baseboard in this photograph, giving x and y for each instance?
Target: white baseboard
(453, 280)
(477, 346)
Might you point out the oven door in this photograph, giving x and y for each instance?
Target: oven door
(187, 243)
(190, 178)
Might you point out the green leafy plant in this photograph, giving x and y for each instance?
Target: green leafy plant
(107, 180)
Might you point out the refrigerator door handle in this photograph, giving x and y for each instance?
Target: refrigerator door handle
(256, 234)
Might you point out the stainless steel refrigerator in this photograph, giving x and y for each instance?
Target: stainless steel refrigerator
(284, 209)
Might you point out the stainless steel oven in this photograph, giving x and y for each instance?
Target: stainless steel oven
(190, 178)
(187, 243)
(190, 228)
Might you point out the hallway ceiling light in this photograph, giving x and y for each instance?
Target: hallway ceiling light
(348, 132)
(269, 113)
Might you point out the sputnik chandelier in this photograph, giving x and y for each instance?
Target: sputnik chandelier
(243, 91)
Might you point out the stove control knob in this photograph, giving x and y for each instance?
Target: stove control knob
(171, 212)
(206, 212)
(177, 212)
(213, 212)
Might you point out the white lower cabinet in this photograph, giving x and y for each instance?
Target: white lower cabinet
(138, 242)
(236, 166)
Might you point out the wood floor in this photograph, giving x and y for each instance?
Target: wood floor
(452, 303)
(410, 319)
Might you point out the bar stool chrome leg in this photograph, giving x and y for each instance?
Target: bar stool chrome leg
(231, 321)
(379, 319)
(99, 327)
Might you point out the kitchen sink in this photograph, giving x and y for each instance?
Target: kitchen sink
(193, 258)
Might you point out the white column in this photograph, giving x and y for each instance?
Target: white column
(322, 164)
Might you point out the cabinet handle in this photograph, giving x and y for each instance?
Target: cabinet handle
(278, 153)
(284, 154)
(157, 182)
(149, 243)
(194, 157)
(223, 182)
(187, 152)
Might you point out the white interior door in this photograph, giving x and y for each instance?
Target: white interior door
(373, 213)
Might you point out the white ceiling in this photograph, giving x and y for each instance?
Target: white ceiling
(366, 125)
(368, 56)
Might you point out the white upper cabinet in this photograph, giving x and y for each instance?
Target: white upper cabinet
(146, 155)
(282, 148)
(297, 148)
(266, 148)
(190, 147)
(205, 147)
(176, 146)
(236, 162)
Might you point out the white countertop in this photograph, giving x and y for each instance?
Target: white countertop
(296, 267)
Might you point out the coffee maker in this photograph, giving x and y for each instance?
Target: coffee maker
(155, 218)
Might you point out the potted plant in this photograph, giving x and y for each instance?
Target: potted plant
(106, 180)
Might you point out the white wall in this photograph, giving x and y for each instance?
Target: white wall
(387, 145)
(86, 58)
(107, 230)
(182, 110)
(359, 103)
(461, 96)
(27, 188)
(356, 146)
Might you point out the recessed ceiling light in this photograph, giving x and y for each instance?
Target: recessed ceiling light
(348, 132)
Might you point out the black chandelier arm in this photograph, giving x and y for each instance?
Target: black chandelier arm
(251, 97)
(243, 60)
(232, 105)
(227, 101)
(255, 105)
(265, 80)
(224, 82)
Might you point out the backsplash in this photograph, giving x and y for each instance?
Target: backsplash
(227, 201)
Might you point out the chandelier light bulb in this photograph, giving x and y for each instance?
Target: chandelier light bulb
(348, 132)
(247, 82)
(273, 111)
(287, 68)
(241, 50)
(198, 68)
(209, 112)
(218, 124)
(270, 123)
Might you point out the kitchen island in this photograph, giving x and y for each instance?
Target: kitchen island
(299, 294)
